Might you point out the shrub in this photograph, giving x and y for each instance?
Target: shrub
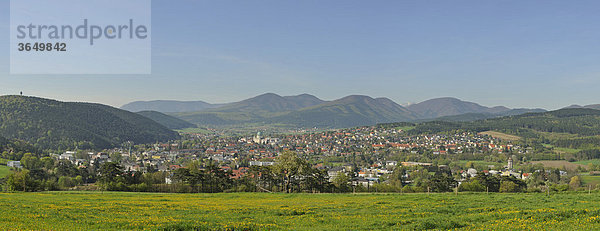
(559, 187)
(66, 182)
(509, 187)
(473, 186)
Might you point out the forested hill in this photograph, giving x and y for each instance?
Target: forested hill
(166, 120)
(579, 121)
(53, 124)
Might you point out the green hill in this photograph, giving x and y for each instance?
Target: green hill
(348, 112)
(578, 121)
(254, 110)
(269, 103)
(53, 124)
(166, 120)
(449, 106)
(482, 116)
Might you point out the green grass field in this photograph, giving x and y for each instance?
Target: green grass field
(586, 162)
(4, 171)
(590, 180)
(255, 211)
(562, 150)
(501, 135)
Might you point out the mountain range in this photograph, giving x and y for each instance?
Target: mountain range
(168, 106)
(309, 111)
(592, 106)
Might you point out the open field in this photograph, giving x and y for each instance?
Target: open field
(559, 164)
(255, 211)
(4, 171)
(501, 135)
(590, 180)
(562, 150)
(586, 162)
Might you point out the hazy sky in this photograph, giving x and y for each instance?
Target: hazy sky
(513, 53)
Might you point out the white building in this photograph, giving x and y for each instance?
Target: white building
(14, 164)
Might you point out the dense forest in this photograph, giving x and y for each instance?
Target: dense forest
(50, 124)
(579, 121)
(14, 149)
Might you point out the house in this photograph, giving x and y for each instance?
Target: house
(261, 163)
(391, 163)
(361, 181)
(365, 181)
(14, 164)
(409, 164)
(335, 172)
(174, 167)
(68, 155)
(80, 162)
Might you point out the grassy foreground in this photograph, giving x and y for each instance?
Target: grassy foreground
(250, 211)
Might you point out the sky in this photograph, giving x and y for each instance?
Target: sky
(534, 54)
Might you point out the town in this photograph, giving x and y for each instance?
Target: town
(367, 158)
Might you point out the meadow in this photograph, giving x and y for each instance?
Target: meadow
(4, 171)
(262, 211)
(559, 164)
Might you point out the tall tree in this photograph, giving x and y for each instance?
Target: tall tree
(111, 173)
(289, 167)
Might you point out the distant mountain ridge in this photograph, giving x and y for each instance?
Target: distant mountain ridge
(166, 120)
(591, 106)
(271, 102)
(350, 111)
(166, 106)
(309, 111)
(447, 106)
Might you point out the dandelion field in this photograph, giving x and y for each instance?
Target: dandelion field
(262, 211)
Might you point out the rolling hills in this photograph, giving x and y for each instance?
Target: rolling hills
(481, 116)
(447, 106)
(350, 111)
(579, 121)
(166, 120)
(165, 106)
(54, 124)
(270, 103)
(303, 111)
(309, 111)
(592, 106)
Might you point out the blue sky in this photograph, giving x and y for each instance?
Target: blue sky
(513, 53)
